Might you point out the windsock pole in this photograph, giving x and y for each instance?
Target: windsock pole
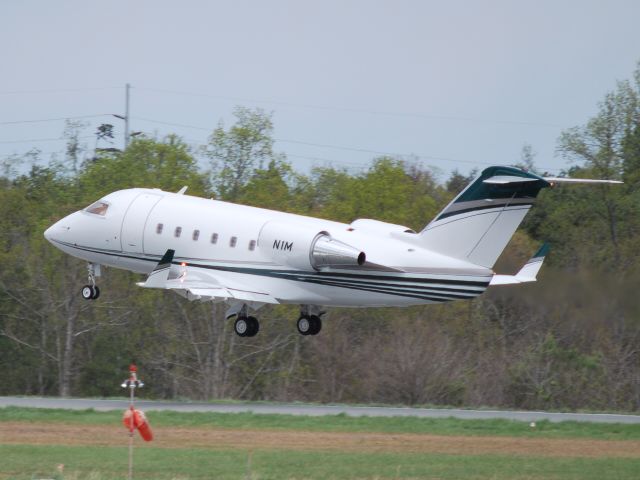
(132, 383)
(131, 428)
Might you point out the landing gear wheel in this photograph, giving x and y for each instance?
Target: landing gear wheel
(304, 325)
(316, 325)
(241, 326)
(96, 293)
(88, 292)
(254, 326)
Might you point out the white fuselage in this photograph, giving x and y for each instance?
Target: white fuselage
(240, 246)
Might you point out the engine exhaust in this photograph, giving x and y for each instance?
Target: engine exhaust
(327, 252)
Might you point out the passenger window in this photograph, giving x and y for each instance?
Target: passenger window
(159, 228)
(196, 234)
(233, 241)
(252, 245)
(98, 208)
(178, 232)
(214, 238)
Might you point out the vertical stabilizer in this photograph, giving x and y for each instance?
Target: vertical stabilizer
(477, 225)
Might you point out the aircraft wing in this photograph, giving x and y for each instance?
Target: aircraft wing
(528, 273)
(199, 284)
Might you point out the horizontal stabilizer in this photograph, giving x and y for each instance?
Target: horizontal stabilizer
(528, 273)
(553, 180)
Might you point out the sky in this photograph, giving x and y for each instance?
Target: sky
(450, 85)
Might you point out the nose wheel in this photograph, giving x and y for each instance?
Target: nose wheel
(91, 291)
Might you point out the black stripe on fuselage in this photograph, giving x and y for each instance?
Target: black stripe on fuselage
(434, 297)
(406, 287)
(428, 289)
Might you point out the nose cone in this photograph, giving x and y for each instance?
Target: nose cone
(56, 231)
(48, 232)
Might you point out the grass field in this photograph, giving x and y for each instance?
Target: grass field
(92, 445)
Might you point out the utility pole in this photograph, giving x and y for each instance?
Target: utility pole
(126, 117)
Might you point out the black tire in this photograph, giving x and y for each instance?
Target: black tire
(254, 326)
(96, 293)
(304, 325)
(87, 292)
(241, 326)
(316, 325)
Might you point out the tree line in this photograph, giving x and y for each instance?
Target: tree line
(570, 341)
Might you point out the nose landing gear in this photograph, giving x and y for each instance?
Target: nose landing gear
(91, 291)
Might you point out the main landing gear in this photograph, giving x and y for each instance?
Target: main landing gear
(309, 325)
(91, 291)
(310, 322)
(246, 326)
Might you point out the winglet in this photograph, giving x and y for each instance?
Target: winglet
(528, 273)
(160, 274)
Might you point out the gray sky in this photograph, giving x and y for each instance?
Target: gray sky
(459, 84)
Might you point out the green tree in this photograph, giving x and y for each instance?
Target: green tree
(167, 164)
(604, 217)
(389, 191)
(237, 152)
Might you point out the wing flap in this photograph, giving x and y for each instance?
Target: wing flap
(197, 284)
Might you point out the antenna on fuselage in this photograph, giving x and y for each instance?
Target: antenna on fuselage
(182, 190)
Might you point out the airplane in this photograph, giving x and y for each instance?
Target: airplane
(248, 257)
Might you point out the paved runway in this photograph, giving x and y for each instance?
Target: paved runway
(313, 410)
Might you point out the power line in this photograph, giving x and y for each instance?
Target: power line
(340, 147)
(281, 140)
(300, 105)
(41, 140)
(56, 90)
(43, 120)
(172, 124)
(32, 151)
(196, 142)
(359, 110)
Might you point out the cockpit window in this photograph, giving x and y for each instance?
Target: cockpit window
(98, 208)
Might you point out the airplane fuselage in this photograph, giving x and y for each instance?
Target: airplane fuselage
(244, 247)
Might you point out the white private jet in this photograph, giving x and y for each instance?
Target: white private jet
(247, 257)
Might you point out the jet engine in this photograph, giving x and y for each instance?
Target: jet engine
(306, 248)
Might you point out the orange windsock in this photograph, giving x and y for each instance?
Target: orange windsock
(143, 426)
(140, 423)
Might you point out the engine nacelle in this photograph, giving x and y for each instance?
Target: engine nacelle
(306, 248)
